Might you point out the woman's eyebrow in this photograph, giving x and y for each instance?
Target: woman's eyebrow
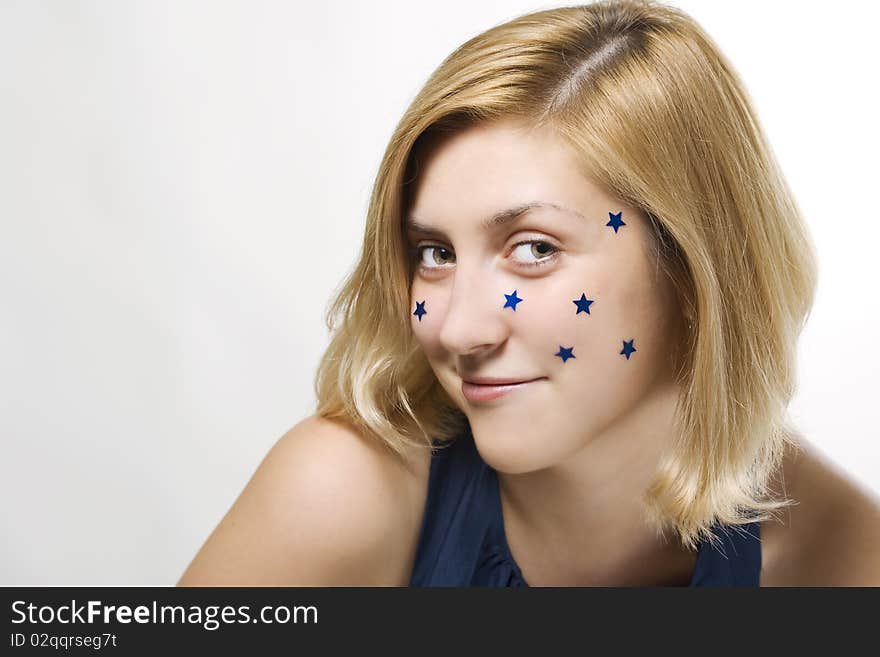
(498, 219)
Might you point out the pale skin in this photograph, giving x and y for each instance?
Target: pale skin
(574, 451)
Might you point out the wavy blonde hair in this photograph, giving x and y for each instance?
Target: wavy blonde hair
(660, 120)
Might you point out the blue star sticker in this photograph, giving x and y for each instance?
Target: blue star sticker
(583, 304)
(512, 300)
(616, 222)
(628, 348)
(420, 310)
(565, 353)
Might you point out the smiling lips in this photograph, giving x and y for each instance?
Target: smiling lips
(480, 389)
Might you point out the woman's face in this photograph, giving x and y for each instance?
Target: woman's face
(565, 293)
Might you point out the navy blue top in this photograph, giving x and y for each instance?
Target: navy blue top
(463, 543)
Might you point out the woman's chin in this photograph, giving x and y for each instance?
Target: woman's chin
(514, 454)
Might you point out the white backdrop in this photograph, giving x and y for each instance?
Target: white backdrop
(183, 185)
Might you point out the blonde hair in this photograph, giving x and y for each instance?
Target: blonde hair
(660, 120)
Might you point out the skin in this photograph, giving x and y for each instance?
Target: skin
(576, 450)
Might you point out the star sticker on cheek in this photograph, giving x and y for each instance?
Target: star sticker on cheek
(616, 222)
(565, 353)
(420, 310)
(512, 300)
(583, 304)
(628, 348)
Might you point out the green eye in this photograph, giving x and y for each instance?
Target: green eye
(542, 251)
(439, 255)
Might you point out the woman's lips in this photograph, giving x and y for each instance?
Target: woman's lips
(481, 393)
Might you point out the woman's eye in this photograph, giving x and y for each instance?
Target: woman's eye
(543, 252)
(436, 255)
(531, 253)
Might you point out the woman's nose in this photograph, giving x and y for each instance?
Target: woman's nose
(474, 319)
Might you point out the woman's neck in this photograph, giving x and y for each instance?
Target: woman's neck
(582, 521)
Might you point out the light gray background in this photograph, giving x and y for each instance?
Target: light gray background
(183, 185)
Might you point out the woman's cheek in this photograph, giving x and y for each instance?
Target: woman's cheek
(425, 313)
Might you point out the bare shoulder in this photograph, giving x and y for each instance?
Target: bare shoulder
(831, 536)
(325, 507)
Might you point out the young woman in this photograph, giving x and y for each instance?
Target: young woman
(566, 353)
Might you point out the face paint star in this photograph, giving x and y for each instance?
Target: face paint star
(565, 353)
(583, 304)
(512, 300)
(628, 348)
(420, 310)
(616, 222)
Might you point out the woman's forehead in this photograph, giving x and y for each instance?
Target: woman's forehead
(496, 167)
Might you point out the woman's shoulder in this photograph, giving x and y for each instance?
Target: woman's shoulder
(831, 535)
(359, 459)
(327, 506)
(390, 486)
